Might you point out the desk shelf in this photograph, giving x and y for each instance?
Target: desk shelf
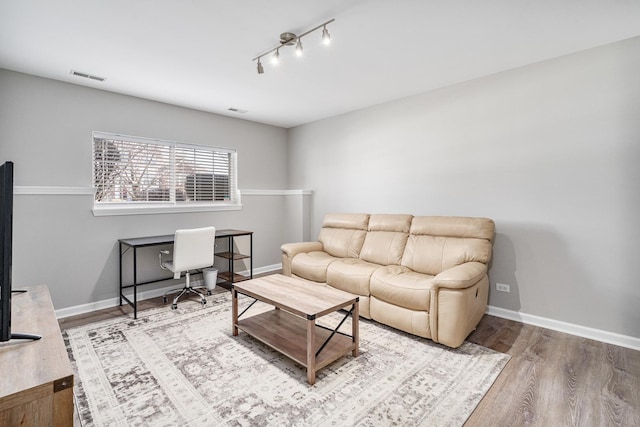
(226, 279)
(232, 255)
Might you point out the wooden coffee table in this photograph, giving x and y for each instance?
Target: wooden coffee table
(290, 327)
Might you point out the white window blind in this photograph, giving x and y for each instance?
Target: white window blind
(133, 171)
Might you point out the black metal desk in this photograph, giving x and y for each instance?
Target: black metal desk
(228, 277)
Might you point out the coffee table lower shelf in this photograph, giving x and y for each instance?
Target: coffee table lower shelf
(289, 335)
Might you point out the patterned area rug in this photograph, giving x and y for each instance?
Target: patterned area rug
(183, 367)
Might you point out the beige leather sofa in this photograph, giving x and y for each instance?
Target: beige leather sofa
(426, 275)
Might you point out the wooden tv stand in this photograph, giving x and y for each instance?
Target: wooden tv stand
(36, 378)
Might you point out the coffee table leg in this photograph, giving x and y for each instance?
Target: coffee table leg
(355, 328)
(311, 351)
(234, 312)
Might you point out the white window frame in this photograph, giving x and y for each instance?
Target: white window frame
(128, 207)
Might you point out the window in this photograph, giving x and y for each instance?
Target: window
(153, 175)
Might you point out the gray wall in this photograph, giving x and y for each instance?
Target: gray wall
(549, 151)
(45, 128)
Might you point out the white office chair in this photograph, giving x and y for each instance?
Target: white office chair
(192, 249)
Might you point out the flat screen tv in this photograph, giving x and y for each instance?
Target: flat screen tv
(6, 240)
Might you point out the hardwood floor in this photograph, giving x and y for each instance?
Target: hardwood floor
(556, 379)
(552, 379)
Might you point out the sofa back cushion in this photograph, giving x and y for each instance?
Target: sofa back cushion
(386, 239)
(438, 243)
(342, 235)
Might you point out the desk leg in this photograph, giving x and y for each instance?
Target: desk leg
(135, 283)
(234, 312)
(311, 351)
(120, 273)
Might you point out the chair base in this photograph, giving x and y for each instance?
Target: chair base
(187, 289)
(184, 291)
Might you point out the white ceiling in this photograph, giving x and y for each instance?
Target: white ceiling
(197, 53)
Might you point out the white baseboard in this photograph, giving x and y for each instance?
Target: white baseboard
(146, 294)
(567, 328)
(265, 269)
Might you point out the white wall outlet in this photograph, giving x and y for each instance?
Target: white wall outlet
(503, 287)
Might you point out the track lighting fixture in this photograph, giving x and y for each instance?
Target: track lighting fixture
(289, 39)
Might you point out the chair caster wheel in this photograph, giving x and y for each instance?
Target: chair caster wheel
(209, 293)
(203, 302)
(164, 300)
(174, 306)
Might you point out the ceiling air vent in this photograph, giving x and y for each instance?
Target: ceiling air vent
(87, 76)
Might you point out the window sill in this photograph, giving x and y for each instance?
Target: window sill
(167, 209)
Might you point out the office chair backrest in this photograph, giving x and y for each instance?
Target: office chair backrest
(193, 248)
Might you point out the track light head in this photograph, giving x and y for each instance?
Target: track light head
(299, 47)
(260, 67)
(275, 59)
(326, 37)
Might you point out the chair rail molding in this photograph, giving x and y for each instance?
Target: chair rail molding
(89, 191)
(276, 192)
(52, 190)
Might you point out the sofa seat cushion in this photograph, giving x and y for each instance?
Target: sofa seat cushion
(312, 265)
(351, 275)
(412, 321)
(403, 287)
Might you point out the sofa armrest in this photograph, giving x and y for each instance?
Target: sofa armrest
(452, 308)
(293, 249)
(289, 250)
(461, 276)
